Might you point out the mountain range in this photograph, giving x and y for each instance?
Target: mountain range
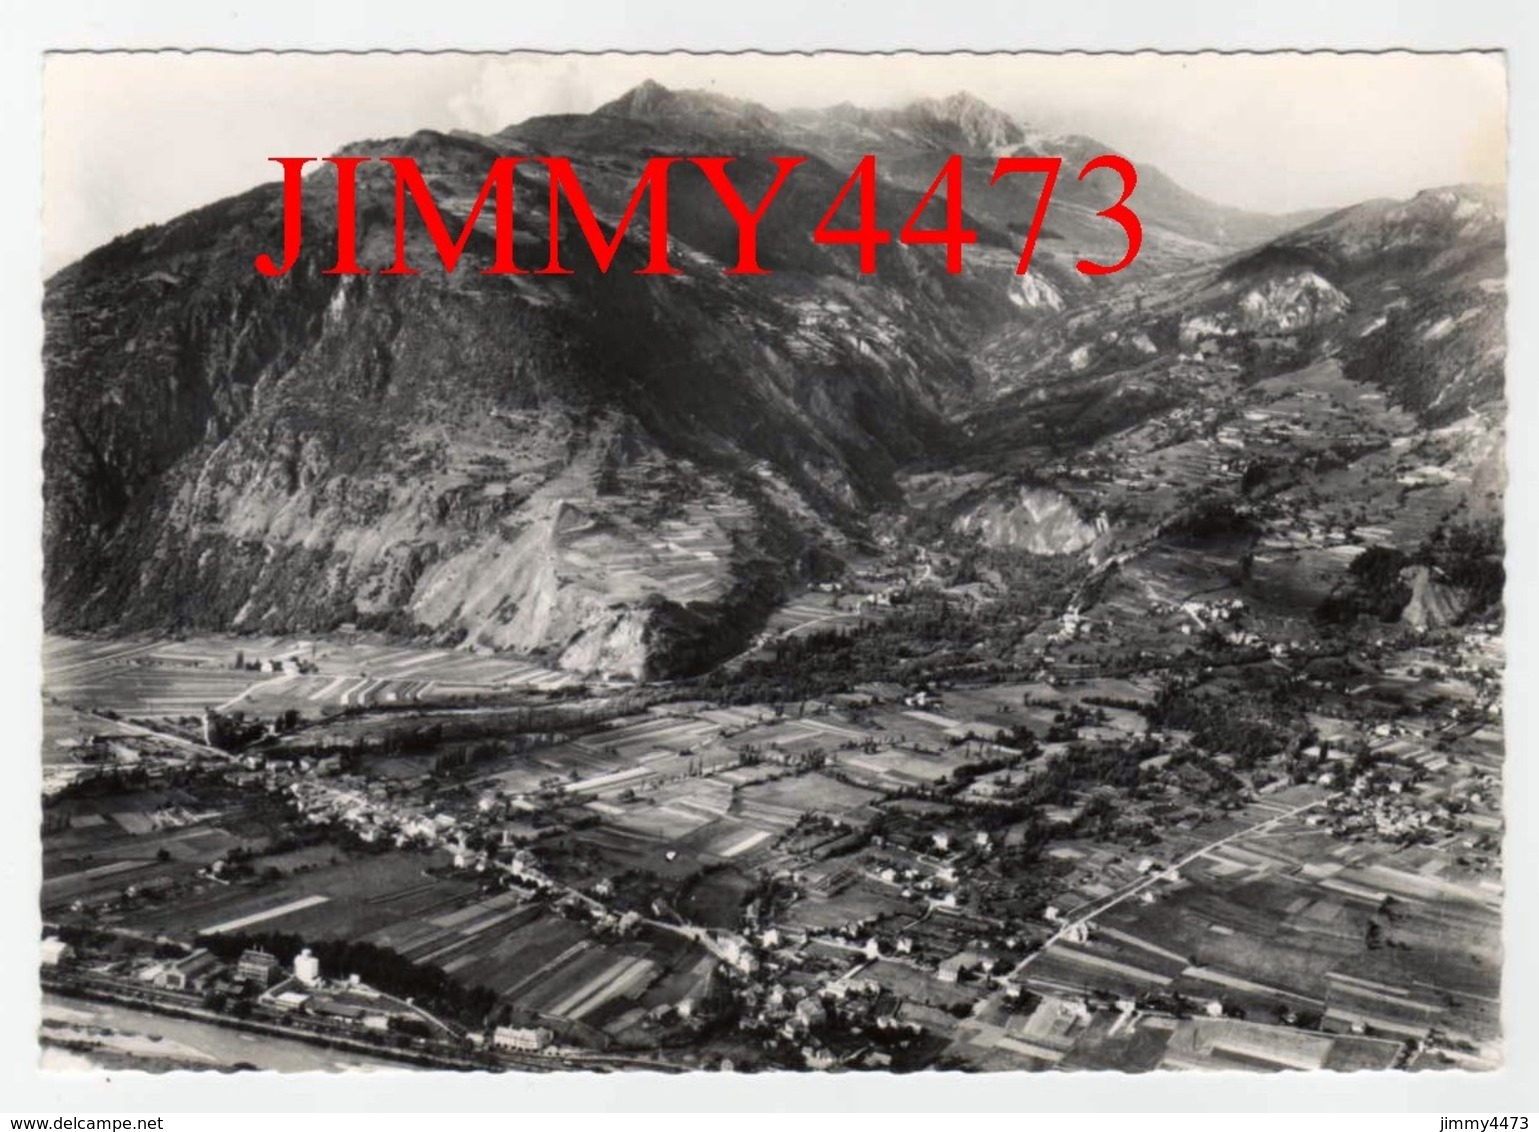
(624, 475)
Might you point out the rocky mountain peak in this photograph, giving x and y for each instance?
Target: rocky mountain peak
(982, 127)
(652, 101)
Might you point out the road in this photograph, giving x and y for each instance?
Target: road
(1080, 917)
(52, 672)
(831, 615)
(166, 737)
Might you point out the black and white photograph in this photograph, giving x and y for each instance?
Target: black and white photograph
(814, 563)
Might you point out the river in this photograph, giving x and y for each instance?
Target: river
(143, 1032)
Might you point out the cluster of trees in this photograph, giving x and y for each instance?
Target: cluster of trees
(1397, 359)
(234, 731)
(927, 635)
(928, 638)
(1066, 724)
(1470, 557)
(1084, 767)
(1213, 517)
(1375, 588)
(1252, 725)
(463, 741)
(684, 640)
(1466, 556)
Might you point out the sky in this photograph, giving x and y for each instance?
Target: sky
(135, 139)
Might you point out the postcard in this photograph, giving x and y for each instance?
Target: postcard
(764, 563)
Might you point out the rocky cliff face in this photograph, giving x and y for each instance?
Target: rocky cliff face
(1433, 604)
(1035, 519)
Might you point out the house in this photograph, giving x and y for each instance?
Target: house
(334, 1009)
(192, 973)
(290, 1002)
(817, 1057)
(256, 966)
(951, 970)
(55, 951)
(307, 968)
(734, 950)
(521, 1039)
(810, 1013)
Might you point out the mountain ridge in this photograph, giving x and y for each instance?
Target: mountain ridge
(615, 474)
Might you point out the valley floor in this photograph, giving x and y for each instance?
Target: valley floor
(1026, 873)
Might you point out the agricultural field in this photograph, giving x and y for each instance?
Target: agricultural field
(911, 984)
(614, 986)
(572, 990)
(671, 811)
(817, 612)
(349, 899)
(173, 679)
(96, 848)
(895, 768)
(782, 801)
(857, 903)
(1263, 924)
(651, 734)
(68, 733)
(716, 898)
(683, 557)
